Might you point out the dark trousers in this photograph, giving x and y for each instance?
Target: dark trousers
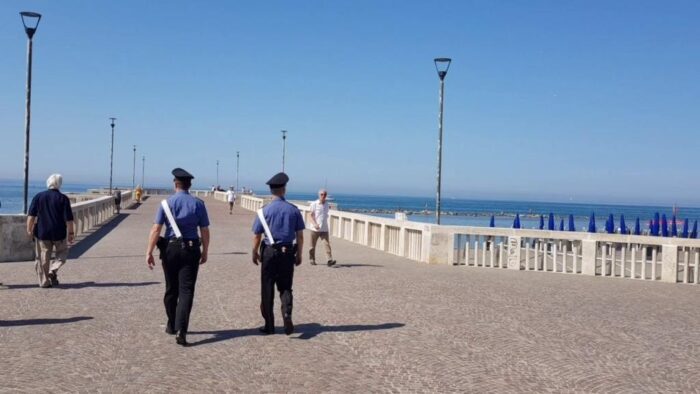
(277, 269)
(180, 267)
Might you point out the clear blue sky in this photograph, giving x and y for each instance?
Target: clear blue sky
(584, 101)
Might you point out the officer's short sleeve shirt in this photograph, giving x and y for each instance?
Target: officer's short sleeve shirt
(189, 213)
(284, 220)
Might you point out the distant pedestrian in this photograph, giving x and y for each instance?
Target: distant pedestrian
(138, 192)
(50, 224)
(318, 216)
(282, 224)
(231, 199)
(117, 200)
(180, 251)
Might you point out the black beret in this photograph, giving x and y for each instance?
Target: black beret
(181, 174)
(279, 180)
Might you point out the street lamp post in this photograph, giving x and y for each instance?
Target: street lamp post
(217, 173)
(133, 172)
(30, 20)
(238, 162)
(284, 146)
(442, 64)
(143, 171)
(111, 157)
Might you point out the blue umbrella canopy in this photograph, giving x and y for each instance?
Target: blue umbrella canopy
(684, 233)
(572, 227)
(664, 226)
(591, 223)
(674, 226)
(655, 225)
(492, 222)
(561, 225)
(610, 225)
(550, 222)
(694, 233)
(637, 228)
(541, 222)
(516, 221)
(623, 226)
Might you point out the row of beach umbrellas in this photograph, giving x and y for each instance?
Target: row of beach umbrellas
(657, 225)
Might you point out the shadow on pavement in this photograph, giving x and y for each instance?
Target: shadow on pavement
(82, 285)
(355, 265)
(86, 243)
(223, 335)
(38, 322)
(310, 330)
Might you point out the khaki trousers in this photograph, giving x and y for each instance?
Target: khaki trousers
(315, 235)
(43, 258)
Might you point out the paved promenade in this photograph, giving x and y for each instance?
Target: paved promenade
(374, 323)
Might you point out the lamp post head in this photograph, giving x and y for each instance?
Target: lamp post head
(30, 20)
(112, 119)
(442, 64)
(284, 134)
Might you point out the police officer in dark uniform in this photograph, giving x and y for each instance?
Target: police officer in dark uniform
(181, 255)
(278, 255)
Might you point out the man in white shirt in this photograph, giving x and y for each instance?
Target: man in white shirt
(319, 227)
(231, 198)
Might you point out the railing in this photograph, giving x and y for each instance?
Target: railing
(88, 214)
(674, 260)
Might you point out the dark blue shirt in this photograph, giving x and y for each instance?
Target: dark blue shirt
(284, 220)
(189, 213)
(52, 211)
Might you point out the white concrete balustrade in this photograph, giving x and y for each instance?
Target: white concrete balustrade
(674, 260)
(15, 245)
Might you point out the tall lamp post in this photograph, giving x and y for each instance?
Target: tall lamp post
(284, 146)
(217, 173)
(143, 171)
(238, 162)
(30, 20)
(111, 156)
(133, 172)
(442, 64)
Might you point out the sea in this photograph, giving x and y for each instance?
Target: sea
(461, 212)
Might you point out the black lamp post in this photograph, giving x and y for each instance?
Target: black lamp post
(111, 156)
(133, 173)
(143, 171)
(238, 162)
(217, 174)
(284, 146)
(442, 64)
(30, 20)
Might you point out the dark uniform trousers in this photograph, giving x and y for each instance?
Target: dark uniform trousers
(277, 269)
(180, 266)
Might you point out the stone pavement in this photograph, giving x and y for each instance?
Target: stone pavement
(376, 323)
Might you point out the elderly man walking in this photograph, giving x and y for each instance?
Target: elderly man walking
(319, 228)
(50, 223)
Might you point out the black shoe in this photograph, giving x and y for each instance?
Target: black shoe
(181, 338)
(169, 330)
(288, 325)
(266, 331)
(46, 286)
(53, 278)
(312, 262)
(331, 263)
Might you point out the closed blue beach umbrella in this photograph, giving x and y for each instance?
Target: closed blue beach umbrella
(561, 225)
(637, 228)
(516, 222)
(694, 233)
(664, 226)
(623, 226)
(541, 222)
(550, 222)
(610, 225)
(572, 227)
(684, 233)
(656, 225)
(492, 222)
(674, 226)
(591, 223)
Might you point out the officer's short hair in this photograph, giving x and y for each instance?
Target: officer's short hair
(183, 184)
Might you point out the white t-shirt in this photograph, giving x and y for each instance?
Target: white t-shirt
(230, 196)
(320, 212)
